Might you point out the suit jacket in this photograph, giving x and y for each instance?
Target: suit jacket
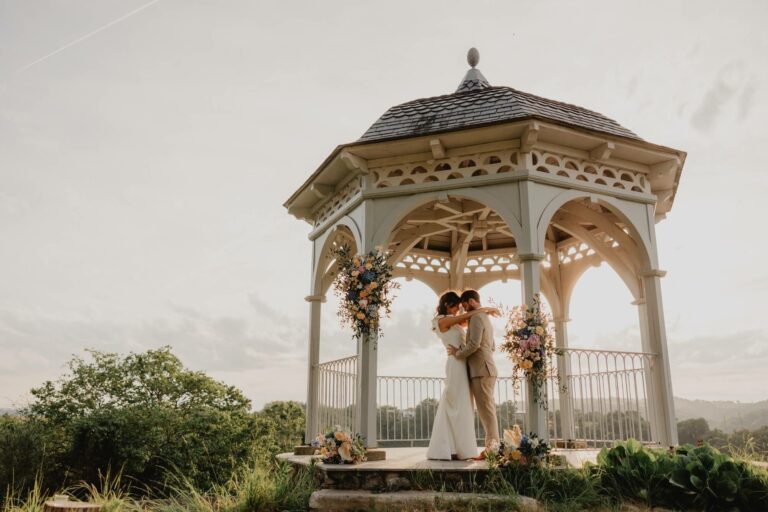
(479, 347)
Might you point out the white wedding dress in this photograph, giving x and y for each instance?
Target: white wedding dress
(453, 431)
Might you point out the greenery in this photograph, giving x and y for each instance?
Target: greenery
(741, 442)
(141, 432)
(145, 415)
(700, 478)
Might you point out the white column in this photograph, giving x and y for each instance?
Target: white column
(650, 394)
(663, 397)
(313, 385)
(366, 390)
(563, 371)
(367, 356)
(530, 274)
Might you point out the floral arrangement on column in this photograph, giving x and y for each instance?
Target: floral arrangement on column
(530, 344)
(517, 448)
(339, 447)
(364, 285)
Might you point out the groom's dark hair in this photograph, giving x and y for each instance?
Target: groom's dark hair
(470, 294)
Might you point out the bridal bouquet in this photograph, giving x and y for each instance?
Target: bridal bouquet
(519, 448)
(339, 447)
(364, 285)
(530, 343)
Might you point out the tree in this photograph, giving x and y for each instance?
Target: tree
(144, 413)
(692, 431)
(278, 427)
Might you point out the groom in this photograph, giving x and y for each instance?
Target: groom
(478, 351)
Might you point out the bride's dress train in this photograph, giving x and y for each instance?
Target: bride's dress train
(454, 429)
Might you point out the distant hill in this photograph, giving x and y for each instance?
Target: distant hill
(727, 416)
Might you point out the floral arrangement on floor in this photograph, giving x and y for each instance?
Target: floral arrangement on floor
(339, 447)
(364, 285)
(519, 448)
(530, 343)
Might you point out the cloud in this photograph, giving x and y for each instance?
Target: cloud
(730, 84)
(717, 96)
(747, 99)
(33, 344)
(722, 366)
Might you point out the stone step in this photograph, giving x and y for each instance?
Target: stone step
(329, 500)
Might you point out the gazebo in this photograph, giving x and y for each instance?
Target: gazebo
(490, 183)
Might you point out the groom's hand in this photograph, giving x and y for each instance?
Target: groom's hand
(451, 350)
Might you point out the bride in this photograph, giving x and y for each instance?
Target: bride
(453, 432)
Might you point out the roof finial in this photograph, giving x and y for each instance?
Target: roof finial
(474, 79)
(473, 57)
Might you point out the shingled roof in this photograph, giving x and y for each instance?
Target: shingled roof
(477, 103)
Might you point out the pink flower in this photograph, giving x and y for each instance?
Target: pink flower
(533, 341)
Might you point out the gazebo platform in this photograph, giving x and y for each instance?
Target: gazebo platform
(405, 467)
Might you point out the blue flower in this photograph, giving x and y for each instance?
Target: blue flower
(368, 276)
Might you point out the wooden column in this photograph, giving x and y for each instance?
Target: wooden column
(313, 384)
(530, 274)
(563, 371)
(662, 396)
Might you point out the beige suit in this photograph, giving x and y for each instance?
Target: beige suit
(478, 351)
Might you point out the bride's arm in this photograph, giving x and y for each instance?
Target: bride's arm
(447, 322)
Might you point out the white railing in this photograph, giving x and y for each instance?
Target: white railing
(609, 396)
(336, 398)
(606, 398)
(407, 407)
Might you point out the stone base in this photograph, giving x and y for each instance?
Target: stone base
(304, 449)
(70, 506)
(427, 501)
(375, 454)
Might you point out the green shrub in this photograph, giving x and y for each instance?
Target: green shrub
(631, 471)
(144, 415)
(23, 453)
(691, 478)
(710, 480)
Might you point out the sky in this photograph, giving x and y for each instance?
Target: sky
(146, 148)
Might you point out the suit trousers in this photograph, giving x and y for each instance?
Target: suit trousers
(482, 391)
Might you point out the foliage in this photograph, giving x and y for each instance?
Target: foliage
(692, 431)
(142, 414)
(701, 478)
(364, 285)
(23, 452)
(630, 471)
(711, 480)
(530, 343)
(339, 447)
(253, 487)
(745, 444)
(277, 428)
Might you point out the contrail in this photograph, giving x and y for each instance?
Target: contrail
(86, 36)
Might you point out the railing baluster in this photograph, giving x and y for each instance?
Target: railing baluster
(607, 389)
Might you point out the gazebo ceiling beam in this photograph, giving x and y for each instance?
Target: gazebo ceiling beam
(459, 260)
(416, 234)
(625, 272)
(628, 245)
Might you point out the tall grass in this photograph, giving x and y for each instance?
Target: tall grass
(31, 501)
(255, 487)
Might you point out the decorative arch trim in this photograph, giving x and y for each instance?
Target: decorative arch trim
(639, 233)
